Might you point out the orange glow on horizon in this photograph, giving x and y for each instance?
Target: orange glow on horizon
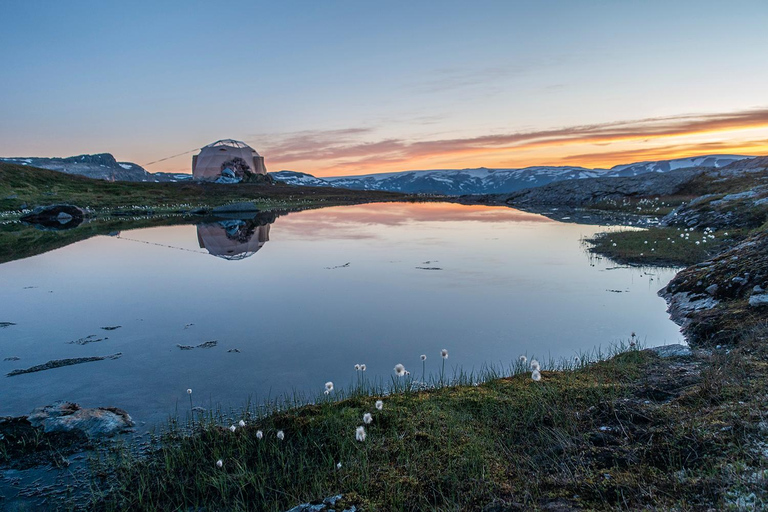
(594, 146)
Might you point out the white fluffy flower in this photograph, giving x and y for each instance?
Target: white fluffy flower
(536, 375)
(259, 434)
(357, 367)
(399, 370)
(338, 465)
(280, 435)
(523, 359)
(189, 391)
(362, 367)
(379, 405)
(360, 433)
(232, 428)
(444, 354)
(535, 365)
(328, 387)
(367, 418)
(241, 423)
(423, 357)
(219, 463)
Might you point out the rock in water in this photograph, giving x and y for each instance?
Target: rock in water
(70, 417)
(246, 206)
(55, 217)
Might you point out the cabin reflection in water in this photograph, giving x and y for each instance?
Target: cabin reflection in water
(233, 239)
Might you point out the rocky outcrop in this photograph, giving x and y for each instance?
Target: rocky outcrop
(69, 417)
(586, 192)
(748, 209)
(717, 301)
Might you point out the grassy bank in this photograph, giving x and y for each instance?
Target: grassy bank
(630, 432)
(664, 245)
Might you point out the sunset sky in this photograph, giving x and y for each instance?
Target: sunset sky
(352, 87)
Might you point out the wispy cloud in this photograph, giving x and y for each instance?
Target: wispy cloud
(354, 147)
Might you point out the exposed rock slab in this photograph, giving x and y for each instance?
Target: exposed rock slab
(676, 350)
(716, 301)
(58, 363)
(70, 417)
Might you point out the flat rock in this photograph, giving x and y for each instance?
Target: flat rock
(676, 350)
(246, 206)
(759, 300)
(58, 363)
(70, 417)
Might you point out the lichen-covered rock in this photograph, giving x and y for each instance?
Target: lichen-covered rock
(70, 417)
(715, 302)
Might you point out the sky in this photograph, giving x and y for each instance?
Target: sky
(337, 87)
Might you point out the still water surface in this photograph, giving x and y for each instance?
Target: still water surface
(486, 283)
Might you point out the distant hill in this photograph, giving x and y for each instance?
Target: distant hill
(494, 181)
(100, 166)
(438, 181)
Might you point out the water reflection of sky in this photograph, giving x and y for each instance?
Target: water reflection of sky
(510, 283)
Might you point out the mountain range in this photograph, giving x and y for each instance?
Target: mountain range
(494, 181)
(437, 181)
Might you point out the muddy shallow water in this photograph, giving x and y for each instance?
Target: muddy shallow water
(299, 302)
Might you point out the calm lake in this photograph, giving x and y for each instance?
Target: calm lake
(306, 298)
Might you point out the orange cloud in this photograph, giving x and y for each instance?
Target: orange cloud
(342, 152)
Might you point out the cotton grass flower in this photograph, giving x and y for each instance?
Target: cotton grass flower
(362, 367)
(444, 354)
(232, 428)
(259, 434)
(399, 370)
(219, 463)
(536, 375)
(535, 365)
(189, 391)
(379, 405)
(523, 359)
(328, 387)
(423, 357)
(241, 423)
(357, 367)
(360, 433)
(280, 435)
(338, 465)
(367, 418)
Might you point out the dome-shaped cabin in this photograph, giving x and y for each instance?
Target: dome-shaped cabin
(226, 158)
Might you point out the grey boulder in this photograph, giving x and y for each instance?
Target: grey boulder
(70, 417)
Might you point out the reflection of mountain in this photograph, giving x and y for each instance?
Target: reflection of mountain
(234, 239)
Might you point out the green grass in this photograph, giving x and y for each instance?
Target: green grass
(663, 246)
(629, 432)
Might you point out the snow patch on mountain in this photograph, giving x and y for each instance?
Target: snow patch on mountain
(483, 180)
